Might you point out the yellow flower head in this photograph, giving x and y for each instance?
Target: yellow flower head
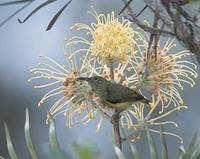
(162, 74)
(73, 97)
(112, 39)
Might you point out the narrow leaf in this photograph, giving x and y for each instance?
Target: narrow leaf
(55, 148)
(181, 152)
(196, 152)
(192, 143)
(52, 135)
(54, 19)
(190, 149)
(15, 13)
(28, 137)
(36, 10)
(164, 145)
(14, 2)
(134, 151)
(118, 152)
(10, 147)
(152, 146)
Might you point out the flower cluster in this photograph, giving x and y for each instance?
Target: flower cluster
(163, 73)
(141, 118)
(119, 54)
(112, 39)
(72, 100)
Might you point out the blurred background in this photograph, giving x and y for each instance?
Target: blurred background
(20, 45)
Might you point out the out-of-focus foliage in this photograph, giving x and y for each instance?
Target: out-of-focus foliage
(192, 152)
(89, 150)
(86, 150)
(26, 3)
(82, 151)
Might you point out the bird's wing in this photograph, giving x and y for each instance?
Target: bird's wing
(121, 94)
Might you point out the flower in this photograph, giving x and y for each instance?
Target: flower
(121, 75)
(112, 39)
(138, 117)
(164, 73)
(74, 97)
(141, 118)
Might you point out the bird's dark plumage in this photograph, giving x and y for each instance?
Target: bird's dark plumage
(114, 94)
(124, 94)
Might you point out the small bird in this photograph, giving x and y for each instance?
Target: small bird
(113, 94)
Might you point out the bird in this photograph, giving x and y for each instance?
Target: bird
(113, 94)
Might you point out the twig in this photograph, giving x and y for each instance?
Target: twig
(116, 128)
(15, 13)
(153, 37)
(111, 70)
(156, 6)
(150, 29)
(141, 11)
(143, 26)
(185, 31)
(126, 6)
(156, 36)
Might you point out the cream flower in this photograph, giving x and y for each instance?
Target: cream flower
(165, 73)
(112, 39)
(73, 97)
(142, 118)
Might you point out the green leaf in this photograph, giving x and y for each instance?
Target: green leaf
(36, 10)
(118, 152)
(164, 145)
(10, 147)
(192, 1)
(87, 150)
(181, 151)
(52, 135)
(196, 153)
(15, 2)
(15, 13)
(190, 149)
(28, 137)
(56, 152)
(54, 19)
(192, 143)
(134, 150)
(152, 146)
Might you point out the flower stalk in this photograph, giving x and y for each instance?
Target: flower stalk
(116, 128)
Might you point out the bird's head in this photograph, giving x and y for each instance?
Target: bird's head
(96, 82)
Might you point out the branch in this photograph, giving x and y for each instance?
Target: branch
(156, 6)
(146, 28)
(143, 9)
(116, 128)
(126, 6)
(185, 31)
(150, 29)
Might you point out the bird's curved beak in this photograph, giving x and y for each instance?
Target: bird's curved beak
(83, 79)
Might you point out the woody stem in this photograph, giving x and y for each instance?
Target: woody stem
(111, 70)
(116, 128)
